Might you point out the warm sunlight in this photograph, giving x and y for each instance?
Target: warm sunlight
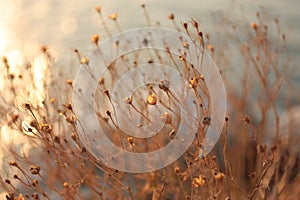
(149, 99)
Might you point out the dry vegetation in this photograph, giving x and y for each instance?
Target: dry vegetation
(257, 157)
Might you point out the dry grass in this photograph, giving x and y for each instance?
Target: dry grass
(257, 156)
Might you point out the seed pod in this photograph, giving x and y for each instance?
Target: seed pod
(172, 134)
(113, 16)
(35, 169)
(164, 85)
(95, 39)
(199, 181)
(206, 120)
(152, 99)
(128, 100)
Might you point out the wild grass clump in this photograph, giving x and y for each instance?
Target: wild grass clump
(257, 156)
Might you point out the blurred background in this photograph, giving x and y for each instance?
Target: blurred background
(64, 25)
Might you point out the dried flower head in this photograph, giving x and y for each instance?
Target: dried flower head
(171, 16)
(52, 100)
(177, 170)
(98, 9)
(95, 39)
(193, 83)
(128, 100)
(68, 106)
(130, 140)
(211, 48)
(35, 169)
(13, 163)
(113, 16)
(152, 99)
(219, 176)
(4, 60)
(69, 81)
(46, 128)
(44, 48)
(172, 134)
(206, 120)
(254, 26)
(164, 85)
(199, 181)
(84, 60)
(261, 148)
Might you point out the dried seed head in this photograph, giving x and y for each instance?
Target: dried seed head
(4, 60)
(73, 136)
(171, 16)
(128, 100)
(68, 106)
(108, 113)
(14, 118)
(34, 124)
(206, 120)
(195, 23)
(164, 85)
(200, 33)
(27, 106)
(66, 185)
(95, 39)
(211, 48)
(252, 175)
(13, 163)
(11, 76)
(46, 128)
(70, 119)
(185, 25)
(113, 16)
(172, 134)
(193, 83)
(101, 81)
(69, 81)
(35, 196)
(98, 9)
(10, 196)
(44, 48)
(186, 45)
(181, 58)
(254, 26)
(35, 169)
(35, 182)
(199, 181)
(247, 119)
(274, 148)
(152, 99)
(219, 176)
(261, 148)
(201, 76)
(130, 140)
(84, 60)
(177, 170)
